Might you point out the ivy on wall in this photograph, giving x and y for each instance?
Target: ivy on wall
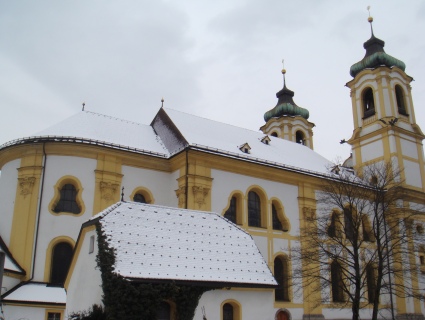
(96, 312)
(124, 299)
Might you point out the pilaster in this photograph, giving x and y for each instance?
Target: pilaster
(26, 207)
(195, 186)
(311, 294)
(108, 182)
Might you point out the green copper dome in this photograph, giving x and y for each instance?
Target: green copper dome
(285, 106)
(375, 57)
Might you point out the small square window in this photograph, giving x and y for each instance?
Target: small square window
(53, 316)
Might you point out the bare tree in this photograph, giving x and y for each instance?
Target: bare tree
(353, 246)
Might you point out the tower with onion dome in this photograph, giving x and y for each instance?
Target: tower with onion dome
(385, 127)
(287, 120)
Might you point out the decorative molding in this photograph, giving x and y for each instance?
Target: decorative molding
(108, 190)
(26, 185)
(309, 213)
(181, 195)
(200, 193)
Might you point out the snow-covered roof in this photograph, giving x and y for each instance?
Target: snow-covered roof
(176, 130)
(161, 243)
(100, 129)
(223, 137)
(36, 293)
(10, 264)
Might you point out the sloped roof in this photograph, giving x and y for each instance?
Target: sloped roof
(160, 243)
(10, 264)
(95, 128)
(34, 292)
(171, 131)
(223, 137)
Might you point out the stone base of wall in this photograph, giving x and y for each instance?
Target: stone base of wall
(410, 316)
(318, 316)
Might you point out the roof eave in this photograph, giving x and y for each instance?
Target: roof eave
(199, 283)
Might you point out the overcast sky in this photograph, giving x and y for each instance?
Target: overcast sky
(217, 59)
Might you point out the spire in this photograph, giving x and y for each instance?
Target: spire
(285, 105)
(375, 54)
(370, 19)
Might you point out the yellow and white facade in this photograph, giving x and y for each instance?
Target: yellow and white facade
(185, 161)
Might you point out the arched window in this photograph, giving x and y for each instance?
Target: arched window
(254, 209)
(400, 100)
(367, 230)
(422, 257)
(368, 103)
(332, 229)
(274, 134)
(299, 137)
(348, 224)
(61, 260)
(138, 197)
(142, 195)
(279, 220)
(281, 274)
(277, 225)
(231, 310)
(336, 282)
(230, 213)
(164, 311)
(371, 282)
(228, 312)
(68, 200)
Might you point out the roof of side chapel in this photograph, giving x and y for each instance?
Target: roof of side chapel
(161, 243)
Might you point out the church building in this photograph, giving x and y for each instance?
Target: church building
(186, 202)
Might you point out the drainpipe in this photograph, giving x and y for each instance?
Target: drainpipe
(40, 198)
(2, 258)
(187, 177)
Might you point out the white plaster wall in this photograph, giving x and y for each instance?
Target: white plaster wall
(409, 149)
(337, 313)
(8, 283)
(52, 225)
(255, 305)
(411, 171)
(280, 245)
(372, 150)
(85, 275)
(160, 184)
(23, 313)
(370, 128)
(8, 184)
(387, 103)
(261, 243)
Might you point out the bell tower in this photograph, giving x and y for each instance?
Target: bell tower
(385, 127)
(287, 120)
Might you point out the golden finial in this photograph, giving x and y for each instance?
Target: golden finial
(283, 67)
(370, 19)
